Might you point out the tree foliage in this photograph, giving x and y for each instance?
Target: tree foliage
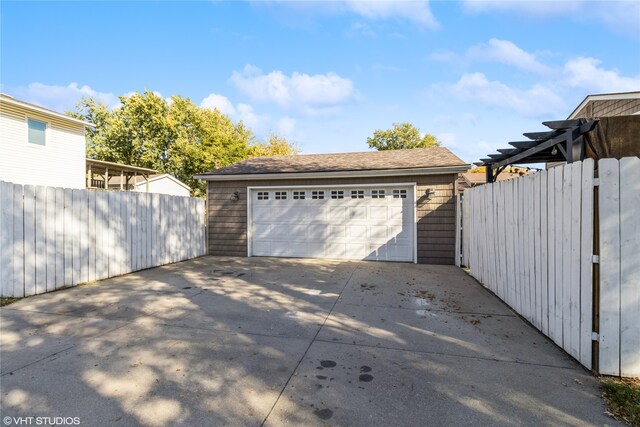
(401, 136)
(276, 146)
(175, 137)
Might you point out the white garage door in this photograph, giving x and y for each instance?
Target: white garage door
(373, 222)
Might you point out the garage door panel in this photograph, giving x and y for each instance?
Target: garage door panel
(364, 227)
(336, 250)
(359, 213)
(357, 250)
(261, 248)
(378, 212)
(401, 235)
(316, 250)
(378, 233)
(338, 231)
(261, 231)
(337, 213)
(317, 232)
(358, 232)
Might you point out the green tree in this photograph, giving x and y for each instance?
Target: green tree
(276, 146)
(176, 137)
(401, 136)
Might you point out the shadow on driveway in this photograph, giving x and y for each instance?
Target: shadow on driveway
(265, 341)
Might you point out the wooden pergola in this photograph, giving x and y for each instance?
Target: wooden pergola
(100, 172)
(564, 142)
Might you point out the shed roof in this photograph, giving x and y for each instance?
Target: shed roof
(419, 158)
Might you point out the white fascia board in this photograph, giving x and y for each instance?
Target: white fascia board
(44, 111)
(336, 174)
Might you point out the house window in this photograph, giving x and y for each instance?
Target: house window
(399, 194)
(37, 131)
(318, 195)
(337, 194)
(263, 195)
(357, 194)
(281, 195)
(377, 194)
(298, 195)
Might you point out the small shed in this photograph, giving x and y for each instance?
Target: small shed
(162, 184)
(395, 205)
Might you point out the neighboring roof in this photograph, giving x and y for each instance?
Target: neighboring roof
(386, 161)
(98, 165)
(611, 103)
(141, 181)
(8, 99)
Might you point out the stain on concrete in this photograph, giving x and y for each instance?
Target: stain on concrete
(323, 414)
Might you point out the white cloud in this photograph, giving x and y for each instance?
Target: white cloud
(418, 12)
(256, 122)
(508, 53)
(310, 93)
(245, 112)
(585, 73)
(621, 15)
(525, 7)
(61, 98)
(537, 100)
(220, 102)
(286, 127)
(545, 94)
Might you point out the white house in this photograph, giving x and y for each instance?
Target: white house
(40, 146)
(163, 184)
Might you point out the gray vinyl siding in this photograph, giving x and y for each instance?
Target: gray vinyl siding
(227, 219)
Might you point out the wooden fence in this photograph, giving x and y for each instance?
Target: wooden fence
(52, 238)
(531, 241)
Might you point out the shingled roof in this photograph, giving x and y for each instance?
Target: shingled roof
(418, 158)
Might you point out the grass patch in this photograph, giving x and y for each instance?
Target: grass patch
(622, 396)
(6, 301)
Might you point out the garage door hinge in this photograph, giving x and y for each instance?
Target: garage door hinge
(596, 182)
(596, 259)
(595, 336)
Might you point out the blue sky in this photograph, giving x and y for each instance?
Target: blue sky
(327, 74)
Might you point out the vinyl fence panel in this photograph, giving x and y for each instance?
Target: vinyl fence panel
(52, 238)
(531, 241)
(630, 267)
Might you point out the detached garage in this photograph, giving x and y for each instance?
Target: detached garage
(395, 205)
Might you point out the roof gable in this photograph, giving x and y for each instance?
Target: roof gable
(606, 105)
(26, 106)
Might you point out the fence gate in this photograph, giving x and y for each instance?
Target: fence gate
(562, 248)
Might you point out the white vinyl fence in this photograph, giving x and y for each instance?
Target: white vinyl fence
(531, 241)
(52, 238)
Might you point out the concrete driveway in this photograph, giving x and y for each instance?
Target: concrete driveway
(263, 341)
